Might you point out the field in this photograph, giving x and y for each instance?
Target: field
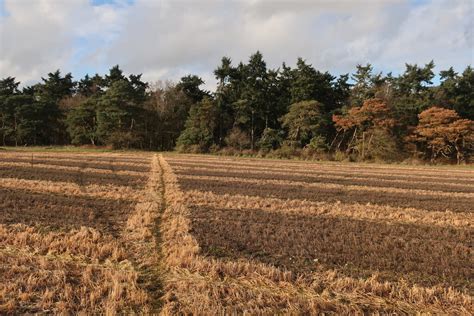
(73, 231)
(109, 233)
(267, 236)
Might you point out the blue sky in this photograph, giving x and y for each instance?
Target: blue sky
(2, 8)
(113, 2)
(166, 39)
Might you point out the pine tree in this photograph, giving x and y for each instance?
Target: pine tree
(201, 125)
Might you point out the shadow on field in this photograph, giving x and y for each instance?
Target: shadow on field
(372, 181)
(426, 202)
(59, 212)
(78, 177)
(85, 163)
(358, 248)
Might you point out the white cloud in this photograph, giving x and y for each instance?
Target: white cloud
(441, 31)
(167, 39)
(40, 36)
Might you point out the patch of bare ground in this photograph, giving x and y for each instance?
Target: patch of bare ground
(253, 271)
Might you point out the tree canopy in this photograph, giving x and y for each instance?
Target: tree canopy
(359, 116)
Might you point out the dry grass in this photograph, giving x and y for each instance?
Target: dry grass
(38, 284)
(231, 249)
(90, 168)
(132, 233)
(111, 192)
(330, 186)
(309, 166)
(420, 199)
(76, 239)
(323, 177)
(300, 168)
(374, 213)
(78, 176)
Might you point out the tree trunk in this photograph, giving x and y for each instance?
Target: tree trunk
(433, 155)
(370, 142)
(352, 140)
(333, 141)
(458, 153)
(342, 139)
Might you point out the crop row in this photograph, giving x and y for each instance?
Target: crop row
(325, 178)
(78, 246)
(106, 165)
(357, 248)
(206, 279)
(295, 163)
(420, 199)
(37, 284)
(311, 170)
(92, 169)
(304, 165)
(370, 212)
(83, 156)
(79, 177)
(57, 211)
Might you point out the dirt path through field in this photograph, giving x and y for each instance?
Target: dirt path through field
(81, 241)
(148, 247)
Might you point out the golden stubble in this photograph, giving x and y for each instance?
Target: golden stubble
(83, 270)
(201, 284)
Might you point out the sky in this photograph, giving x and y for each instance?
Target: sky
(167, 39)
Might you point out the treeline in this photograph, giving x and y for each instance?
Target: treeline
(284, 112)
(111, 110)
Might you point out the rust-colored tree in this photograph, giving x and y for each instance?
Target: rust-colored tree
(366, 130)
(441, 132)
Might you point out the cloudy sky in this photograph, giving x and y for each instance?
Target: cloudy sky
(166, 39)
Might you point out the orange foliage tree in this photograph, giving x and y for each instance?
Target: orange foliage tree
(442, 132)
(362, 124)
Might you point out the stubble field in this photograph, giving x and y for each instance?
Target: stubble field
(297, 237)
(73, 231)
(109, 233)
